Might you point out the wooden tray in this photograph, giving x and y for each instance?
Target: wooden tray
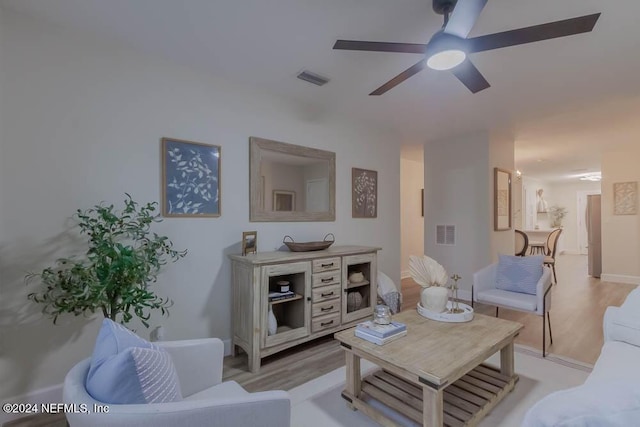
(309, 246)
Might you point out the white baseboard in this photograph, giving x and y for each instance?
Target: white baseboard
(51, 394)
(227, 347)
(620, 278)
(404, 274)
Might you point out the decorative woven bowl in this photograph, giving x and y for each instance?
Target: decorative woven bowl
(309, 246)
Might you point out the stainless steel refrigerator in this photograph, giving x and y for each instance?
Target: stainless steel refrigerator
(594, 250)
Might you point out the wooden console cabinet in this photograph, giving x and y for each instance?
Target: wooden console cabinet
(324, 302)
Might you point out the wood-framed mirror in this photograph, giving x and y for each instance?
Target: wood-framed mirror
(501, 199)
(290, 182)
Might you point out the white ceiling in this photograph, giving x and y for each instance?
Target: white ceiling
(562, 99)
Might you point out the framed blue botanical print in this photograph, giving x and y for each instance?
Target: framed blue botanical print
(190, 179)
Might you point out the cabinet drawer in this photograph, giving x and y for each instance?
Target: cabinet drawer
(326, 278)
(325, 293)
(325, 264)
(325, 322)
(327, 307)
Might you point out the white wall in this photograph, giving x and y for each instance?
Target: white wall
(412, 221)
(501, 149)
(565, 194)
(620, 233)
(459, 191)
(456, 192)
(83, 124)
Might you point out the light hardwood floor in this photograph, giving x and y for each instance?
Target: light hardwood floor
(578, 304)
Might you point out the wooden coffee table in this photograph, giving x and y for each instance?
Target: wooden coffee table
(435, 374)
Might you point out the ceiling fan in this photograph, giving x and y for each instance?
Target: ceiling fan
(449, 47)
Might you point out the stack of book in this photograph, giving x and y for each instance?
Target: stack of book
(277, 296)
(380, 334)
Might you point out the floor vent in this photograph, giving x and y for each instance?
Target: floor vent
(310, 77)
(446, 235)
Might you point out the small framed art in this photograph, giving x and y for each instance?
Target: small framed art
(249, 242)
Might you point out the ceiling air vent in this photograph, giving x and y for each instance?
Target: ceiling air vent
(446, 235)
(310, 77)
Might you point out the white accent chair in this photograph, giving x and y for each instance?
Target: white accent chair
(484, 291)
(207, 400)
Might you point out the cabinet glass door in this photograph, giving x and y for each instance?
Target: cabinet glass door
(359, 284)
(285, 307)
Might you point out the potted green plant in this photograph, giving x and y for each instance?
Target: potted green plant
(123, 258)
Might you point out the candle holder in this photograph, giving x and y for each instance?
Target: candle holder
(455, 308)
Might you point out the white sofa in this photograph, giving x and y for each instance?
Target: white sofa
(207, 400)
(611, 394)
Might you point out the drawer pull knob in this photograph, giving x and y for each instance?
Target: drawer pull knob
(327, 265)
(327, 294)
(326, 308)
(326, 323)
(327, 280)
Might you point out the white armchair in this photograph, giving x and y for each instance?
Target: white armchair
(484, 291)
(207, 400)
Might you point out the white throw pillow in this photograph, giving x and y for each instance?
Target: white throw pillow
(605, 404)
(126, 369)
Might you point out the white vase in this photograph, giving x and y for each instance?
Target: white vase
(272, 324)
(434, 298)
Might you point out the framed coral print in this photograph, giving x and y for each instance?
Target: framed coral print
(364, 193)
(625, 198)
(190, 179)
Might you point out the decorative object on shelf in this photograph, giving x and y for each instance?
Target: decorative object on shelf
(272, 323)
(354, 301)
(382, 315)
(356, 277)
(556, 215)
(541, 203)
(364, 193)
(455, 307)
(625, 198)
(115, 277)
(249, 242)
(283, 285)
(309, 246)
(284, 200)
(433, 278)
(446, 315)
(190, 178)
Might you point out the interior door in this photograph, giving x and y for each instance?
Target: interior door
(317, 195)
(583, 238)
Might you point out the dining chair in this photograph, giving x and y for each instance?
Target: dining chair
(522, 242)
(551, 246)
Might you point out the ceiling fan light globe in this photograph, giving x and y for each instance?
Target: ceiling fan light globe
(446, 59)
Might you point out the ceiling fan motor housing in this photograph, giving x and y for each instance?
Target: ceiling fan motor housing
(443, 6)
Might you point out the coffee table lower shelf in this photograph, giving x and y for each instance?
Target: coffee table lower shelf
(466, 401)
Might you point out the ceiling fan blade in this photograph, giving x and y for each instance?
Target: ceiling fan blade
(550, 30)
(400, 78)
(380, 46)
(464, 17)
(469, 75)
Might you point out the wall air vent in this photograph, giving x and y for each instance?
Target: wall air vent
(310, 77)
(446, 235)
